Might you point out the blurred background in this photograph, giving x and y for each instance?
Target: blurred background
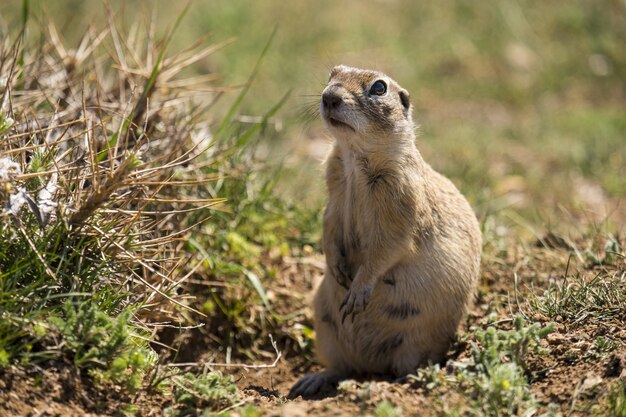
(522, 103)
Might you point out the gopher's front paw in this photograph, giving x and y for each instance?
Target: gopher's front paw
(356, 300)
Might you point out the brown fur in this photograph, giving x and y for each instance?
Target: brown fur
(402, 244)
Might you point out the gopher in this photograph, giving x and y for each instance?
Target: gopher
(402, 244)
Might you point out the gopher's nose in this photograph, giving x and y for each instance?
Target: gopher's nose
(331, 100)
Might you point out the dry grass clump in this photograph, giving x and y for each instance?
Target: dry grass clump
(103, 173)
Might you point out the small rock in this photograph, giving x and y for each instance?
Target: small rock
(555, 338)
(293, 410)
(590, 382)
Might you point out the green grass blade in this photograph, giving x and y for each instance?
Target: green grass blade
(243, 140)
(142, 103)
(256, 283)
(227, 120)
(25, 15)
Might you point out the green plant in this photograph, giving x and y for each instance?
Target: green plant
(5, 121)
(498, 369)
(387, 409)
(503, 391)
(430, 377)
(617, 400)
(105, 347)
(250, 410)
(601, 347)
(495, 376)
(503, 346)
(193, 393)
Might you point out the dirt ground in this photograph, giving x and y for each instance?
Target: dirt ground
(568, 376)
(571, 375)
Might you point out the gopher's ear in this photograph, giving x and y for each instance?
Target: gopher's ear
(404, 99)
(333, 72)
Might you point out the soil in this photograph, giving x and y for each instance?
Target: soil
(572, 375)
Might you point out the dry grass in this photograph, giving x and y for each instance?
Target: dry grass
(106, 153)
(102, 139)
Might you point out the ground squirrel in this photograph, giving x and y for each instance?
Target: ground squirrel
(402, 244)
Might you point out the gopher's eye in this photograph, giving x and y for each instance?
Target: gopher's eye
(378, 88)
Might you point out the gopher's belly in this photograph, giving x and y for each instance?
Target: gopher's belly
(404, 325)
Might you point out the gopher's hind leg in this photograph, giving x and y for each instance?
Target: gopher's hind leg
(312, 384)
